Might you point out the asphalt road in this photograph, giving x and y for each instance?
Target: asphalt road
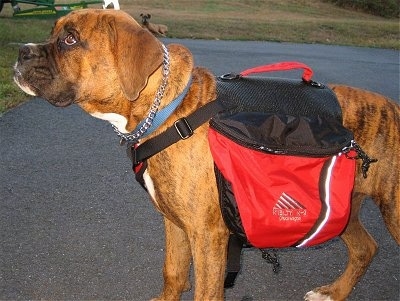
(74, 225)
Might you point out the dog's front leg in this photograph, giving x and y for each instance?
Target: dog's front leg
(177, 262)
(209, 247)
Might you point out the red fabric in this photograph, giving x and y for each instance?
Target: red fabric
(283, 66)
(262, 182)
(341, 186)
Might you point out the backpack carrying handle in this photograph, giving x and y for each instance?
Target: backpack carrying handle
(283, 66)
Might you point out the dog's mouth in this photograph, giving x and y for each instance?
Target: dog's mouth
(22, 84)
(36, 73)
(58, 99)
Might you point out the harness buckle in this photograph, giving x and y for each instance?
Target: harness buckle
(183, 128)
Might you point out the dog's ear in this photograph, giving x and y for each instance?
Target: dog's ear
(138, 54)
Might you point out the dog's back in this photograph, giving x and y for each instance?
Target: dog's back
(375, 122)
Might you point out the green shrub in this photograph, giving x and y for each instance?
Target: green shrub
(384, 8)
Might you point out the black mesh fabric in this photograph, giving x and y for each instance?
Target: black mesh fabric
(284, 96)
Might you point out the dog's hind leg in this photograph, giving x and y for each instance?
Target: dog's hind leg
(361, 250)
(392, 221)
(177, 262)
(390, 210)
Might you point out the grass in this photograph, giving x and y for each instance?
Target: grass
(299, 21)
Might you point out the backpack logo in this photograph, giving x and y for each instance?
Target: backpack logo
(287, 209)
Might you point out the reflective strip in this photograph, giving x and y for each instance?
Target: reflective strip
(327, 187)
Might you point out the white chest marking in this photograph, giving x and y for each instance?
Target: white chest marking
(118, 120)
(149, 185)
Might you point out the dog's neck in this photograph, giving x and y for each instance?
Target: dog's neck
(180, 69)
(129, 114)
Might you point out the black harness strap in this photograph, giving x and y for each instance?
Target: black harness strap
(182, 129)
(235, 246)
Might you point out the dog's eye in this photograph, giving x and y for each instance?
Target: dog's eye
(70, 40)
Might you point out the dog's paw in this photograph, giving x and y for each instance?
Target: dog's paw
(316, 296)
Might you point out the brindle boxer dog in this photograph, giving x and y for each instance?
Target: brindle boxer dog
(103, 61)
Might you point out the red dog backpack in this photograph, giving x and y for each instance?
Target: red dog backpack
(281, 158)
(285, 195)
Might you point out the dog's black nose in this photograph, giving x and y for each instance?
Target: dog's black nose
(25, 53)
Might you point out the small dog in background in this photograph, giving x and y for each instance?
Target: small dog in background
(156, 29)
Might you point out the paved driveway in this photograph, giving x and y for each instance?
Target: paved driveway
(74, 225)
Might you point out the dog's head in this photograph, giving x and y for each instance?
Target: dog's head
(91, 55)
(145, 18)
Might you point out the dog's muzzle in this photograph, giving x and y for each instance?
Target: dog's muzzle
(36, 74)
(25, 53)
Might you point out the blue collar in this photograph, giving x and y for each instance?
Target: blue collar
(162, 115)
